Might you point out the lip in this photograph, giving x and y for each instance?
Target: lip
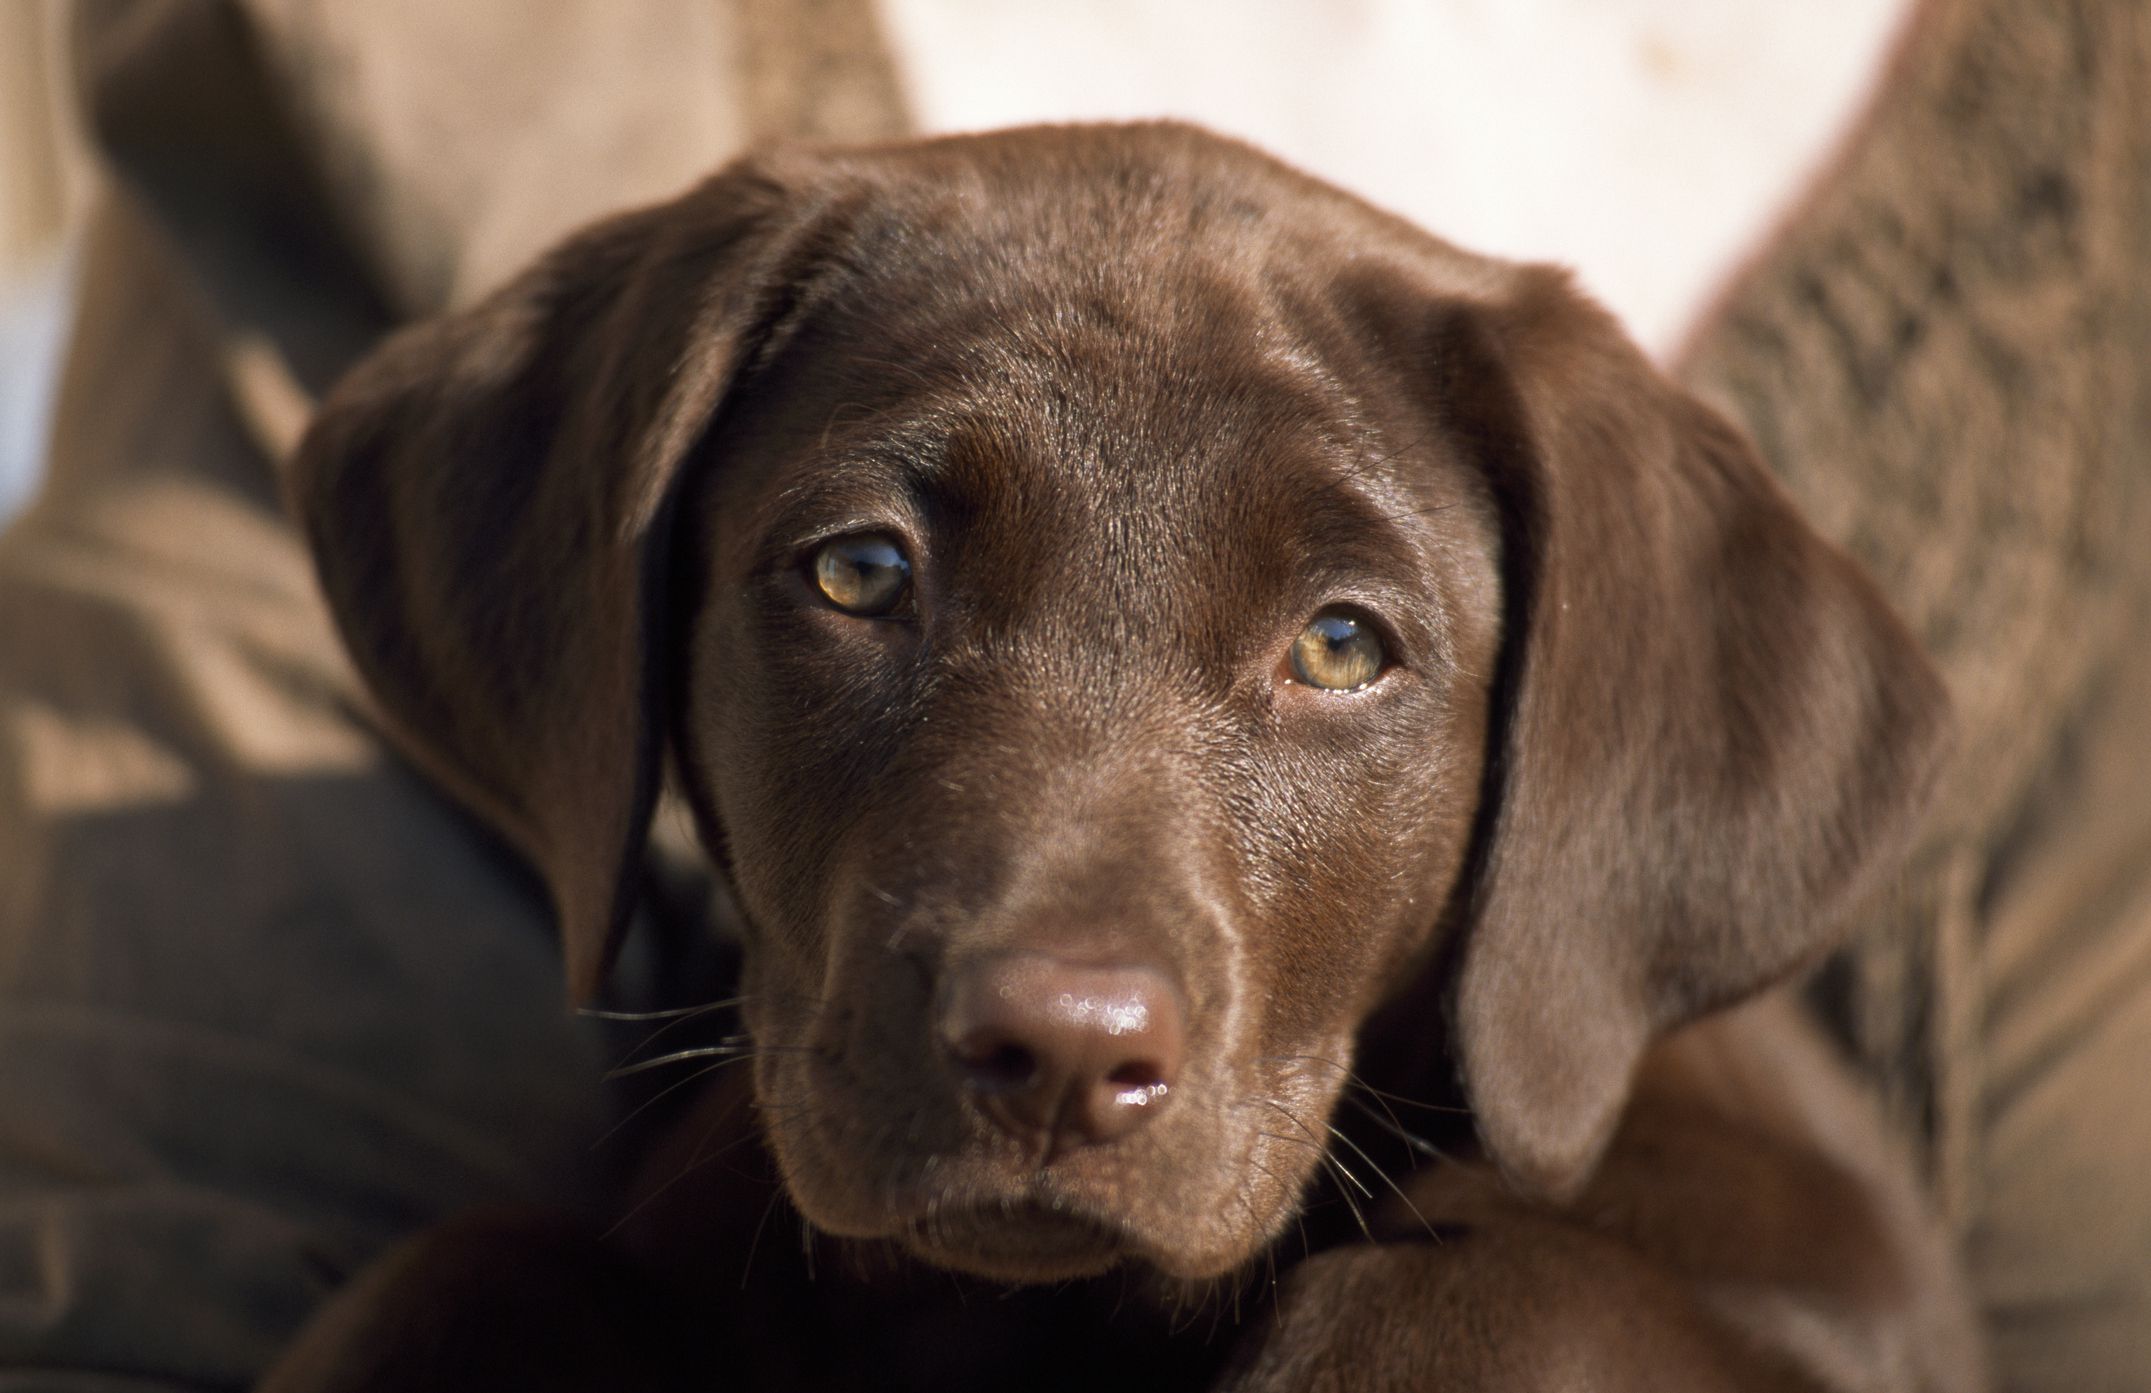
(1025, 1240)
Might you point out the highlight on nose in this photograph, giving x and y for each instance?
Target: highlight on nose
(1058, 1053)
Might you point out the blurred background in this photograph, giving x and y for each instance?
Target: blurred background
(1644, 142)
(41, 194)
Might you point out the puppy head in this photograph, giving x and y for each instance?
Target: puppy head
(1122, 611)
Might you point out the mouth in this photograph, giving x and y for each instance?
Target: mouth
(1016, 1241)
(957, 1195)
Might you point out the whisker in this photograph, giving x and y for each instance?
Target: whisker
(1446, 1109)
(1385, 1178)
(1388, 1123)
(694, 1163)
(1322, 1148)
(1336, 1169)
(673, 1087)
(672, 1021)
(673, 1013)
(1387, 1120)
(1356, 1081)
(776, 1197)
(1335, 1166)
(699, 1052)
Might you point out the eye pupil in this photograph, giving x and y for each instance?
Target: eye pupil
(1337, 652)
(866, 574)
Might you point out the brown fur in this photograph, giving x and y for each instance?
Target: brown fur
(1140, 402)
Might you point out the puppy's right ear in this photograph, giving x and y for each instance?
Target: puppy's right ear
(488, 496)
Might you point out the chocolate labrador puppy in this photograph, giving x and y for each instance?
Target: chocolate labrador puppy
(1184, 677)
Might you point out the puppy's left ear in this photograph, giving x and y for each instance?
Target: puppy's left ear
(1710, 731)
(487, 498)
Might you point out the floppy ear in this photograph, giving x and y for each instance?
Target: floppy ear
(487, 499)
(1711, 728)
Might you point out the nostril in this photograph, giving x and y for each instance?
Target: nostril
(1074, 1053)
(1137, 1076)
(997, 1065)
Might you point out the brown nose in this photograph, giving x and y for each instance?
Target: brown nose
(1065, 1054)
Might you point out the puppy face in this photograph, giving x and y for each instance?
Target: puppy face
(1120, 500)
(1122, 610)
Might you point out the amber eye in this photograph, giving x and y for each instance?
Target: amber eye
(865, 574)
(1337, 652)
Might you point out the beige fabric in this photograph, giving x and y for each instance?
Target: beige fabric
(33, 175)
(2061, 1227)
(456, 147)
(246, 1037)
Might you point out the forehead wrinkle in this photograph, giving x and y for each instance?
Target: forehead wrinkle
(1099, 405)
(861, 474)
(1242, 437)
